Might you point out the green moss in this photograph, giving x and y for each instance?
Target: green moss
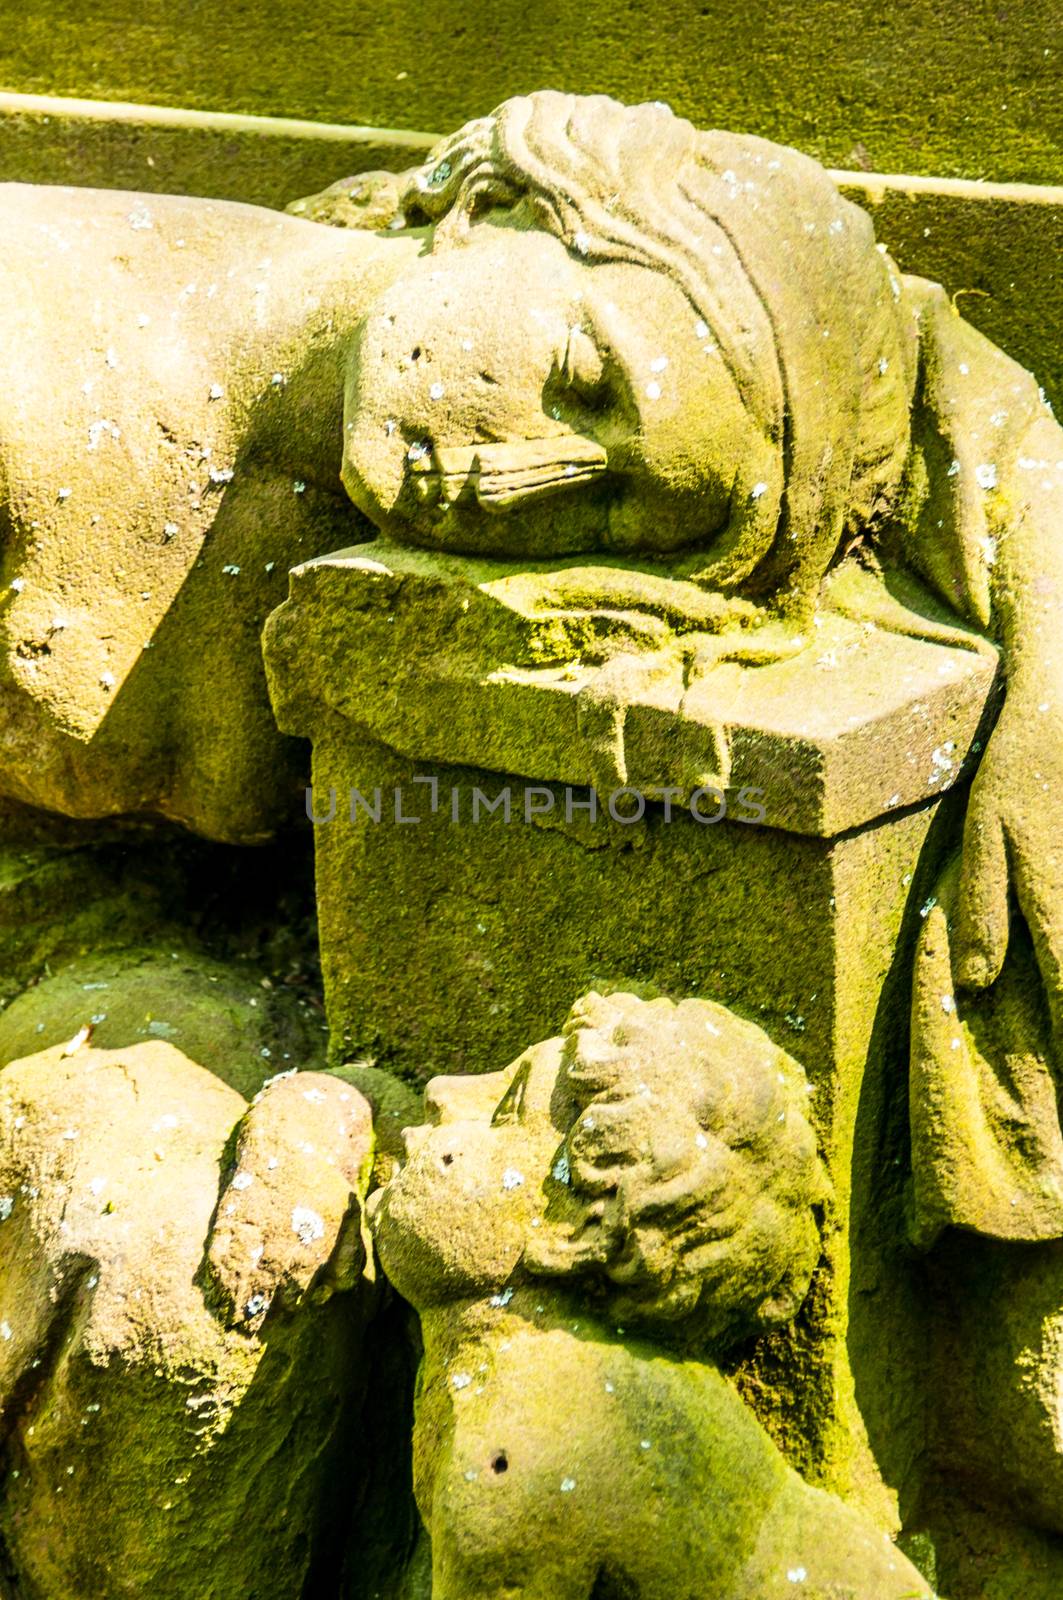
(972, 92)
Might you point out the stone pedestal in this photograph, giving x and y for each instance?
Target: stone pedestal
(452, 941)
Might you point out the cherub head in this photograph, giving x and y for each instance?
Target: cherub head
(626, 335)
(657, 1155)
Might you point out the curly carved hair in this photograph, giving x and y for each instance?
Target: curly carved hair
(689, 1182)
(807, 311)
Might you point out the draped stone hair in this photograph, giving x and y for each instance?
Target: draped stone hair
(808, 313)
(688, 1185)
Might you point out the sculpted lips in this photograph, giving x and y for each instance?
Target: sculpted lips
(502, 476)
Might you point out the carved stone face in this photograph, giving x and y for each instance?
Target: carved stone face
(454, 1221)
(506, 398)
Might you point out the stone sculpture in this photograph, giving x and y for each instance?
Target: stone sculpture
(634, 413)
(579, 1234)
(688, 346)
(180, 1355)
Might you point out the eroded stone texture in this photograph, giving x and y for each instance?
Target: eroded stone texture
(694, 363)
(179, 1355)
(561, 1228)
(217, 1014)
(157, 494)
(678, 441)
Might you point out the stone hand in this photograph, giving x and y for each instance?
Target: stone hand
(1011, 842)
(288, 1218)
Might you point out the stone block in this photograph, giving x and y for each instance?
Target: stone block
(449, 942)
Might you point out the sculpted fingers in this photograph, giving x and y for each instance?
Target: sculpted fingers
(982, 921)
(290, 1206)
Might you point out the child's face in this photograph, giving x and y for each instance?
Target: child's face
(454, 1221)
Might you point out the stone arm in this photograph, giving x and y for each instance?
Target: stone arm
(288, 1220)
(1012, 837)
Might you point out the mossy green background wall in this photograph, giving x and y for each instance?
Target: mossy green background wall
(965, 88)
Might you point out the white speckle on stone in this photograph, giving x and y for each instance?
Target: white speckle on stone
(948, 1004)
(701, 329)
(610, 1387)
(98, 1185)
(107, 680)
(883, 366)
(243, 1180)
(653, 391)
(5, 1330)
(169, 530)
(255, 1304)
(221, 474)
(757, 490)
(796, 1575)
(512, 1179)
(461, 1380)
(582, 243)
(111, 358)
(216, 391)
(986, 475)
(307, 1225)
(701, 1141)
(953, 469)
(99, 429)
(658, 363)
(315, 1096)
(140, 218)
(436, 391)
(64, 494)
(567, 1485)
(955, 1045)
(562, 1169)
(18, 584)
(7, 1205)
